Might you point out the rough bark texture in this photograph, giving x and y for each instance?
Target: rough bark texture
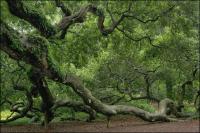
(19, 9)
(77, 106)
(33, 50)
(40, 84)
(48, 70)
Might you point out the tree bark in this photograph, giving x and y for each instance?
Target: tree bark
(47, 69)
(19, 49)
(77, 106)
(40, 85)
(38, 20)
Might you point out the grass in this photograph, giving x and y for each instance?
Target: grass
(189, 107)
(5, 114)
(21, 121)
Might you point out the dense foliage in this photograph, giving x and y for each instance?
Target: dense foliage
(152, 54)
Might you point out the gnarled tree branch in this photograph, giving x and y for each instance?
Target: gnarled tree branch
(19, 9)
(46, 67)
(25, 109)
(77, 106)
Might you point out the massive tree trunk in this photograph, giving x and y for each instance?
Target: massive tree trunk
(33, 50)
(40, 85)
(47, 69)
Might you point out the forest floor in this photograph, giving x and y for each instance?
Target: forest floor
(118, 124)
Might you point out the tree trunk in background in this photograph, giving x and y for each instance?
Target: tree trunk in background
(169, 89)
(182, 94)
(34, 51)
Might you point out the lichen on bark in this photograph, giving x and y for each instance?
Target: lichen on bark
(10, 35)
(37, 19)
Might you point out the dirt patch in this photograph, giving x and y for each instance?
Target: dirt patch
(126, 124)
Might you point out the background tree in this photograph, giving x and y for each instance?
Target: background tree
(99, 57)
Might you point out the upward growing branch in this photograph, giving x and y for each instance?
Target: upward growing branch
(38, 20)
(64, 9)
(74, 82)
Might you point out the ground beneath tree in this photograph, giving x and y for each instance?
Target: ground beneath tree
(119, 124)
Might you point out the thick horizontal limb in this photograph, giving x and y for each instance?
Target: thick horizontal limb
(77, 106)
(76, 84)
